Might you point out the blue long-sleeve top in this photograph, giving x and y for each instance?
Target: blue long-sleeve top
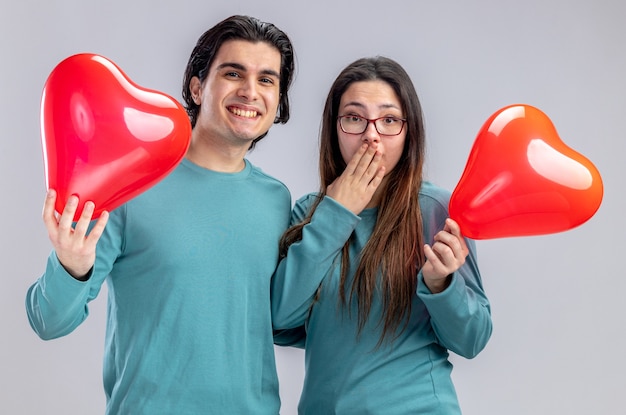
(188, 265)
(345, 372)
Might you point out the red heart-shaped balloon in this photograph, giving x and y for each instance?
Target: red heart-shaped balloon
(105, 138)
(521, 179)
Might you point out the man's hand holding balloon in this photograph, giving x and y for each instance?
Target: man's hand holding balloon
(74, 246)
(105, 140)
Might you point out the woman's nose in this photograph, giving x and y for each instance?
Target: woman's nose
(370, 135)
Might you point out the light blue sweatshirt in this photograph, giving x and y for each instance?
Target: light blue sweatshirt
(347, 374)
(188, 266)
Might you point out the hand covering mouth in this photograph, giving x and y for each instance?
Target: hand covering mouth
(242, 112)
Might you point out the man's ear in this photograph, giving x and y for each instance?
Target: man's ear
(195, 87)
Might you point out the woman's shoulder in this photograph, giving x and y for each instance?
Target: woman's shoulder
(434, 194)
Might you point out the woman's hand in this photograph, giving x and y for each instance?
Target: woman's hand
(446, 255)
(360, 179)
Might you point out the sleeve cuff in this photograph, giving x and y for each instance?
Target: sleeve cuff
(448, 299)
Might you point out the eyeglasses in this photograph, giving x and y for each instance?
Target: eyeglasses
(353, 124)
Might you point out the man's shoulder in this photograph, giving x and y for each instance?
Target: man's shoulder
(257, 173)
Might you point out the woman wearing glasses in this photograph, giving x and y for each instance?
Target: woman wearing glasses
(379, 280)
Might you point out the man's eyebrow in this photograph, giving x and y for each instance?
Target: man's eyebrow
(242, 68)
(233, 65)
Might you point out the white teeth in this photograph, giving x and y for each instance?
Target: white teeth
(243, 113)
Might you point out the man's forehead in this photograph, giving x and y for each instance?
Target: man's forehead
(248, 55)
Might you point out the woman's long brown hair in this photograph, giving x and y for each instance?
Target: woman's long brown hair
(392, 256)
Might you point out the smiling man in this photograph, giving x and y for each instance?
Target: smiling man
(187, 263)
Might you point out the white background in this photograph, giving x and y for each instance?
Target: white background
(557, 300)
